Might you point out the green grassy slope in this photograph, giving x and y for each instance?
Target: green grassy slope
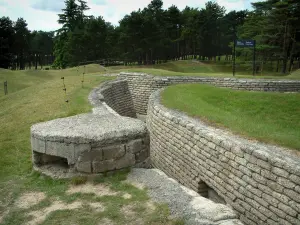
(195, 68)
(20, 79)
(268, 117)
(37, 96)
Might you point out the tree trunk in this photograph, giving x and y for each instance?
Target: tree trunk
(194, 50)
(30, 57)
(284, 65)
(271, 64)
(41, 61)
(291, 64)
(36, 61)
(291, 54)
(21, 61)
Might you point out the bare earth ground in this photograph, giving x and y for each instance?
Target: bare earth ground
(105, 200)
(142, 196)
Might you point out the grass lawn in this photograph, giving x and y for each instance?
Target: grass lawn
(21, 79)
(36, 96)
(269, 117)
(194, 68)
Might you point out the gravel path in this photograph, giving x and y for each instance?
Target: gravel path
(183, 202)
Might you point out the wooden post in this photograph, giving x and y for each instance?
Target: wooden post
(5, 88)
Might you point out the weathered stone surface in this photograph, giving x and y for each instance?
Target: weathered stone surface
(127, 161)
(113, 152)
(280, 172)
(84, 166)
(135, 146)
(96, 154)
(81, 148)
(142, 155)
(64, 150)
(292, 194)
(103, 166)
(89, 128)
(38, 145)
(116, 95)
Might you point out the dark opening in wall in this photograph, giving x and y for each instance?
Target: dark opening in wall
(41, 159)
(213, 195)
(207, 192)
(203, 189)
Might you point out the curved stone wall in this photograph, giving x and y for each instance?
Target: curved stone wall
(116, 95)
(261, 182)
(142, 85)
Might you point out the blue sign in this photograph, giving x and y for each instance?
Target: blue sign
(245, 43)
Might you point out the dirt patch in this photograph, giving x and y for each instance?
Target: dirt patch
(128, 211)
(30, 199)
(99, 189)
(150, 206)
(136, 184)
(131, 216)
(127, 196)
(97, 206)
(40, 215)
(106, 221)
(2, 215)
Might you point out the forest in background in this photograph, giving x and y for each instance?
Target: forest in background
(154, 35)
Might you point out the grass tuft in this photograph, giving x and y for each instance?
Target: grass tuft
(78, 180)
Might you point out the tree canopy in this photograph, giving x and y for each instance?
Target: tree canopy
(19, 46)
(154, 34)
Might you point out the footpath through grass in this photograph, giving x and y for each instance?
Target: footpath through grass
(268, 117)
(31, 198)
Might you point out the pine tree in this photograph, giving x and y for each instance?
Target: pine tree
(21, 44)
(6, 42)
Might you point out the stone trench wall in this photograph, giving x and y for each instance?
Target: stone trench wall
(142, 85)
(261, 182)
(116, 95)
